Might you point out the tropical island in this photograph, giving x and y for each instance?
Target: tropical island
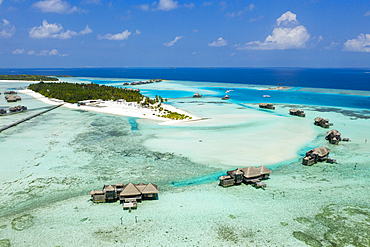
(28, 78)
(79, 92)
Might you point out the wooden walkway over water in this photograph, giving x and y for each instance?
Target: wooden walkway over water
(28, 118)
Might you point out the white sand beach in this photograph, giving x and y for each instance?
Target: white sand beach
(117, 108)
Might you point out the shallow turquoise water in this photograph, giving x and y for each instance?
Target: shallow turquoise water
(50, 163)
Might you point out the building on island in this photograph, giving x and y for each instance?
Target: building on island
(226, 97)
(267, 106)
(319, 121)
(297, 112)
(249, 175)
(334, 137)
(128, 195)
(197, 95)
(317, 154)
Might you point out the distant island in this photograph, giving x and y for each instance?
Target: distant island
(77, 92)
(28, 78)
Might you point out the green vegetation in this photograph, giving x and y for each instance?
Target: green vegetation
(74, 92)
(27, 77)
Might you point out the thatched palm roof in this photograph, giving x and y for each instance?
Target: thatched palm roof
(130, 190)
(150, 189)
(321, 151)
(92, 192)
(108, 188)
(264, 170)
(141, 187)
(250, 172)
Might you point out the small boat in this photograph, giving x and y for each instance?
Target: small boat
(266, 96)
(197, 95)
(226, 97)
(228, 91)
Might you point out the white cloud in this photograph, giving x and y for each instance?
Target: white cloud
(144, 7)
(53, 52)
(361, 44)
(31, 53)
(251, 6)
(1, 1)
(119, 36)
(19, 51)
(288, 35)
(207, 3)
(166, 5)
(367, 13)
(55, 6)
(55, 31)
(137, 32)
(218, 43)
(87, 30)
(232, 54)
(195, 30)
(319, 39)
(194, 53)
(171, 43)
(6, 30)
(189, 5)
(286, 17)
(332, 46)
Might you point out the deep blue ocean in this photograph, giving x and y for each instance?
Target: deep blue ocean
(350, 79)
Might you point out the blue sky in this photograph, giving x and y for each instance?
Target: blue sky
(168, 33)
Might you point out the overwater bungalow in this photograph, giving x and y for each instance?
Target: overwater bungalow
(267, 106)
(10, 92)
(130, 193)
(2, 111)
(297, 112)
(319, 121)
(12, 97)
(226, 97)
(18, 108)
(334, 136)
(197, 95)
(315, 155)
(249, 175)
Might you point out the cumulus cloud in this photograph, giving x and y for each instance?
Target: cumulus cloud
(218, 43)
(56, 31)
(119, 36)
(287, 35)
(1, 1)
(361, 44)
(166, 5)
(171, 43)
(19, 51)
(31, 53)
(55, 6)
(53, 52)
(367, 13)
(6, 30)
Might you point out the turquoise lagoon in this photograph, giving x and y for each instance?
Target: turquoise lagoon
(50, 163)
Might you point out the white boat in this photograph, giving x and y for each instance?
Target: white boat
(266, 96)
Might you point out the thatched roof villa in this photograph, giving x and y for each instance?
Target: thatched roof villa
(297, 112)
(334, 137)
(315, 155)
(129, 194)
(267, 106)
(249, 175)
(319, 121)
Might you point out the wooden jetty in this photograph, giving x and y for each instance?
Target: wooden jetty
(28, 118)
(317, 154)
(249, 175)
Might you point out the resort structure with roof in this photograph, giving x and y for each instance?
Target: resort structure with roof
(297, 112)
(334, 137)
(267, 106)
(128, 194)
(319, 121)
(317, 154)
(248, 175)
